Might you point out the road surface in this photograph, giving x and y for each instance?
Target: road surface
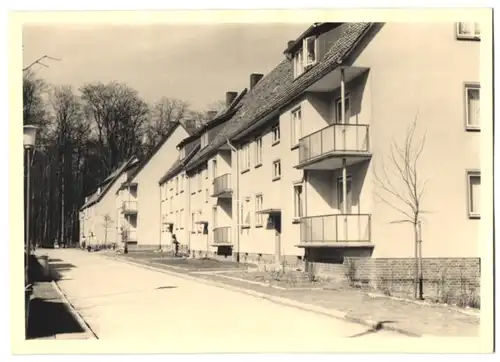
(124, 302)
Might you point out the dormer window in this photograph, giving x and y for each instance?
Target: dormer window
(204, 140)
(469, 30)
(310, 51)
(182, 153)
(306, 56)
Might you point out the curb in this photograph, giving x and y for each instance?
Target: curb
(88, 332)
(279, 300)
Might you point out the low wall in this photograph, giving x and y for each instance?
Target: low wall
(447, 280)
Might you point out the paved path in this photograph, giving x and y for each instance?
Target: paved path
(127, 302)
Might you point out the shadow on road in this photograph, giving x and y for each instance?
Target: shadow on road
(376, 328)
(49, 317)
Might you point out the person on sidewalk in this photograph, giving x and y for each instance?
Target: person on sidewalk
(175, 243)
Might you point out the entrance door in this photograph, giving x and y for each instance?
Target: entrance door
(343, 220)
(277, 237)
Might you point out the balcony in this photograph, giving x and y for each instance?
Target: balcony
(129, 207)
(325, 149)
(222, 236)
(222, 186)
(129, 236)
(339, 230)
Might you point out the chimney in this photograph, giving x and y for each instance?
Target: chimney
(230, 97)
(211, 115)
(254, 79)
(290, 43)
(86, 199)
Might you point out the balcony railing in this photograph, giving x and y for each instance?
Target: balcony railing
(129, 207)
(129, 235)
(339, 228)
(222, 185)
(341, 138)
(222, 235)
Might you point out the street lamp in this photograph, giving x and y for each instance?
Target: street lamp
(29, 139)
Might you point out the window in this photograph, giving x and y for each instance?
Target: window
(176, 185)
(205, 171)
(276, 170)
(245, 157)
(193, 222)
(200, 225)
(306, 56)
(245, 213)
(176, 220)
(204, 140)
(258, 209)
(181, 183)
(200, 179)
(296, 126)
(472, 106)
(171, 204)
(258, 151)
(474, 193)
(310, 45)
(338, 109)
(214, 169)
(181, 219)
(298, 201)
(214, 217)
(182, 152)
(206, 195)
(276, 134)
(298, 64)
(468, 30)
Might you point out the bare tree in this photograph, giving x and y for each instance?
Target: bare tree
(119, 116)
(39, 61)
(403, 189)
(107, 223)
(164, 113)
(34, 103)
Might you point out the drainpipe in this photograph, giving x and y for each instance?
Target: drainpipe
(344, 163)
(237, 199)
(161, 221)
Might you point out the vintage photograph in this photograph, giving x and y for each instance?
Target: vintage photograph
(275, 181)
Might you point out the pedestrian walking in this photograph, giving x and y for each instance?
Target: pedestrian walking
(175, 244)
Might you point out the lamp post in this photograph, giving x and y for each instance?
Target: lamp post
(29, 138)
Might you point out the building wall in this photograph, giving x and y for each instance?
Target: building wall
(148, 191)
(200, 202)
(398, 87)
(175, 209)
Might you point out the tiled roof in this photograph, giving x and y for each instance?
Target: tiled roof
(221, 117)
(179, 164)
(278, 88)
(108, 182)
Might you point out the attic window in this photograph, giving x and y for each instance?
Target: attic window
(471, 31)
(182, 153)
(204, 140)
(306, 56)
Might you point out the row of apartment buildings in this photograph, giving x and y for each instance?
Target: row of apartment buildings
(303, 161)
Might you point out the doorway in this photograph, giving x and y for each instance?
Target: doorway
(276, 219)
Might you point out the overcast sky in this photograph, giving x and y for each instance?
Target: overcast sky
(196, 63)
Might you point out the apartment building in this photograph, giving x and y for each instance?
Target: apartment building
(138, 197)
(175, 197)
(298, 168)
(99, 220)
(210, 193)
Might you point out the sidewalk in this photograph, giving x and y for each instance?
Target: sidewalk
(417, 319)
(50, 315)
